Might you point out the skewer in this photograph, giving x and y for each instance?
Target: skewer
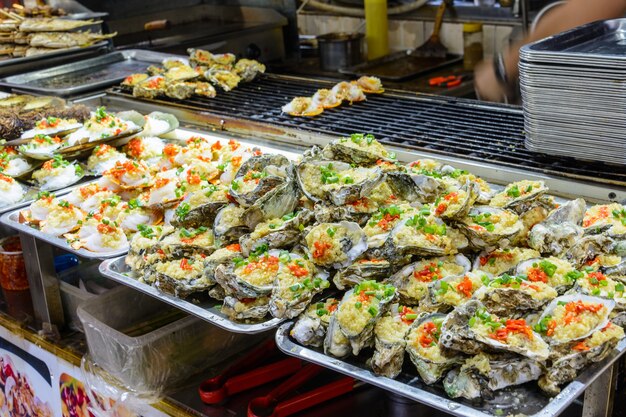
(17, 16)
(7, 14)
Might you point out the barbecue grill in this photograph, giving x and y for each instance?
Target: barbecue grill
(434, 124)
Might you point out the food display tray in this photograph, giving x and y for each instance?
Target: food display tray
(524, 399)
(203, 307)
(11, 219)
(86, 75)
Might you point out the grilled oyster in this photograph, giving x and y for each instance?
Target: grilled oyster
(277, 233)
(576, 355)
(325, 99)
(180, 277)
(204, 89)
(359, 149)
(456, 202)
(556, 272)
(180, 90)
(503, 261)
(370, 85)
(607, 219)
(248, 69)
(229, 224)
(303, 106)
(589, 248)
(471, 329)
(423, 348)
(424, 234)
(415, 187)
(350, 92)
(188, 243)
(180, 72)
(222, 256)
(382, 222)
(389, 333)
(573, 317)
(487, 227)
(336, 342)
(363, 270)
(257, 176)
(518, 193)
(134, 79)
(296, 282)
(278, 202)
(335, 244)
(245, 309)
(310, 328)
(595, 283)
(200, 207)
(481, 375)
(141, 244)
(413, 280)
(514, 295)
(359, 310)
(336, 182)
(150, 88)
(226, 80)
(452, 291)
(250, 277)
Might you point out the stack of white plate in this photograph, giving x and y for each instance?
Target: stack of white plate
(574, 92)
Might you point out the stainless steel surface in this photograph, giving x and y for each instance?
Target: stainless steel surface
(203, 307)
(44, 286)
(24, 64)
(599, 396)
(340, 50)
(11, 219)
(525, 399)
(84, 75)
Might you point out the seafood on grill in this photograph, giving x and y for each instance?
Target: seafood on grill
(350, 92)
(53, 24)
(150, 88)
(248, 69)
(303, 106)
(61, 40)
(326, 99)
(370, 85)
(226, 80)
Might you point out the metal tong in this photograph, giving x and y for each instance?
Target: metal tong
(272, 405)
(217, 389)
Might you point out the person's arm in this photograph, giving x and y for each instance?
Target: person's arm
(573, 13)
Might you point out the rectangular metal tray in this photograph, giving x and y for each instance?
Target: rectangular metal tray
(86, 75)
(204, 307)
(400, 66)
(524, 399)
(11, 219)
(590, 44)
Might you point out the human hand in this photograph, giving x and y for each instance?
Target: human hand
(486, 83)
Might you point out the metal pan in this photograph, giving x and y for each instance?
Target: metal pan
(401, 66)
(524, 399)
(11, 219)
(205, 307)
(86, 75)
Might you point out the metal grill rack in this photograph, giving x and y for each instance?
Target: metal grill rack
(448, 126)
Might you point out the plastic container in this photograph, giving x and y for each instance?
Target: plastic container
(472, 45)
(71, 298)
(157, 361)
(12, 268)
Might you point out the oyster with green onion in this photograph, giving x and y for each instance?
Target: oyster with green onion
(335, 244)
(488, 227)
(389, 333)
(310, 328)
(359, 149)
(277, 233)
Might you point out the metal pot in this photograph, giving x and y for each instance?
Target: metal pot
(340, 50)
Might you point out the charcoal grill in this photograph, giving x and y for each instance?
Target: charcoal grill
(434, 124)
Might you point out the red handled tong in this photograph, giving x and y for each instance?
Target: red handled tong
(272, 405)
(217, 389)
(449, 81)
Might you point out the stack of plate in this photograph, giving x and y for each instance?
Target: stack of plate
(574, 92)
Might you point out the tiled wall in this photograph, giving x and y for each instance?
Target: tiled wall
(405, 34)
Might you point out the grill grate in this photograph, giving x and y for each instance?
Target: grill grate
(441, 125)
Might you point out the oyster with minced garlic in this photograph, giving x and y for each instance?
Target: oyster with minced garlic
(246, 308)
(276, 203)
(502, 261)
(514, 295)
(257, 176)
(200, 207)
(180, 277)
(357, 149)
(560, 230)
(222, 256)
(335, 244)
(389, 333)
(277, 233)
(229, 224)
(188, 242)
(452, 291)
(310, 328)
(518, 193)
(363, 270)
(490, 227)
(556, 272)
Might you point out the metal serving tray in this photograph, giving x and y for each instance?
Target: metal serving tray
(524, 399)
(12, 220)
(203, 307)
(86, 75)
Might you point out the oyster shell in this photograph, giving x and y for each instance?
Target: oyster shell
(595, 283)
(507, 295)
(248, 69)
(471, 329)
(142, 243)
(229, 223)
(456, 202)
(200, 207)
(452, 291)
(482, 375)
(389, 333)
(423, 348)
(487, 227)
(277, 233)
(414, 187)
(413, 280)
(560, 230)
(180, 277)
(359, 310)
(296, 282)
(250, 277)
(518, 193)
(359, 149)
(556, 272)
(310, 328)
(336, 342)
(226, 80)
(335, 244)
(590, 247)
(575, 356)
(607, 219)
(336, 182)
(573, 317)
(362, 270)
(222, 256)
(279, 202)
(503, 261)
(188, 242)
(381, 223)
(245, 309)
(257, 176)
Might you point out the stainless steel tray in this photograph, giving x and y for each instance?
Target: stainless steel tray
(204, 307)
(11, 219)
(525, 399)
(24, 64)
(86, 75)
